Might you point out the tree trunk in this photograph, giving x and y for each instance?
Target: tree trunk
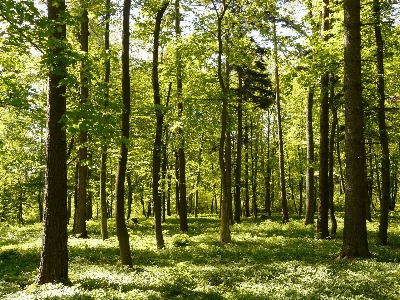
(83, 135)
(246, 174)
(310, 203)
(122, 232)
(323, 203)
(332, 144)
(130, 195)
(285, 213)
(225, 233)
(54, 254)
(181, 151)
(104, 150)
(355, 241)
(159, 130)
(238, 169)
(383, 136)
(268, 172)
(40, 205)
(177, 183)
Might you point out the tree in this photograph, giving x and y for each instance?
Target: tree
(159, 129)
(104, 149)
(282, 180)
(122, 232)
(80, 227)
(54, 253)
(355, 241)
(310, 201)
(323, 204)
(181, 191)
(383, 136)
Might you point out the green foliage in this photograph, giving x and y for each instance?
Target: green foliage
(180, 240)
(267, 260)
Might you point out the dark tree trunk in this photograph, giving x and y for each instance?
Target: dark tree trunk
(238, 169)
(355, 241)
(332, 144)
(246, 174)
(225, 233)
(130, 195)
(290, 183)
(177, 190)
(181, 151)
(69, 207)
(254, 167)
(310, 203)
(159, 130)
(54, 254)
(383, 136)
(104, 150)
(282, 181)
(323, 203)
(83, 135)
(40, 204)
(122, 232)
(268, 171)
(169, 195)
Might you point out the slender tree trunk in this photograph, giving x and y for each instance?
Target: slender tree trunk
(104, 150)
(238, 169)
(169, 195)
(83, 135)
(323, 204)
(225, 233)
(181, 151)
(40, 204)
(122, 232)
(130, 195)
(355, 241)
(246, 174)
(310, 203)
(54, 254)
(159, 129)
(285, 213)
(199, 161)
(332, 144)
(177, 183)
(383, 136)
(268, 172)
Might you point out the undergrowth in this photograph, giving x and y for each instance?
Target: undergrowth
(266, 260)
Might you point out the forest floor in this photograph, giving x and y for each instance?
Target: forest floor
(266, 260)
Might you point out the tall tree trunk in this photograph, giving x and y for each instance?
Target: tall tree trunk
(104, 150)
(177, 184)
(310, 203)
(122, 232)
(130, 195)
(225, 233)
(181, 151)
(268, 171)
(332, 144)
(199, 161)
(83, 135)
(285, 213)
(383, 136)
(246, 174)
(159, 130)
(238, 169)
(355, 241)
(323, 203)
(54, 253)
(254, 167)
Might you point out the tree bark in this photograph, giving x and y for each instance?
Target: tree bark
(323, 203)
(181, 151)
(332, 144)
(54, 254)
(104, 150)
(310, 203)
(122, 232)
(383, 136)
(282, 181)
(159, 130)
(83, 135)
(238, 169)
(225, 233)
(355, 241)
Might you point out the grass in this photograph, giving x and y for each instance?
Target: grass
(266, 260)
